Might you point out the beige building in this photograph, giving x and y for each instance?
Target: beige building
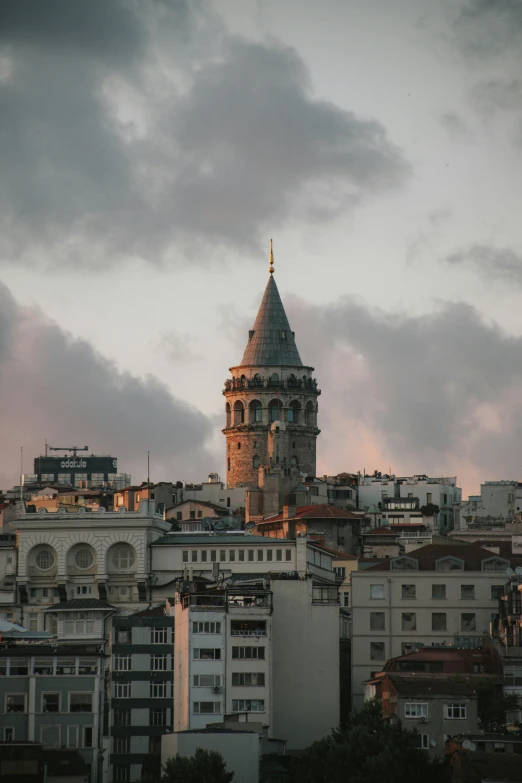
(343, 567)
(430, 597)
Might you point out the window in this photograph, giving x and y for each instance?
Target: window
(340, 571)
(269, 555)
(206, 627)
(415, 710)
(346, 599)
(279, 554)
(159, 636)
(260, 554)
(80, 702)
(123, 557)
(248, 678)
(87, 666)
(256, 461)
(159, 663)
(438, 621)
(423, 741)
(83, 589)
(377, 651)
(87, 737)
(15, 702)
(206, 707)
(158, 716)
(50, 702)
(251, 555)
(404, 564)
(45, 559)
(495, 564)
(206, 680)
(454, 711)
(248, 653)
(497, 591)
(288, 554)
(122, 744)
(122, 717)
(194, 555)
(376, 591)
(122, 663)
(33, 622)
(18, 667)
(79, 623)
(9, 734)
(179, 515)
(377, 621)
(222, 555)
(213, 556)
(122, 773)
(438, 591)
(232, 555)
(207, 654)
(184, 556)
(409, 592)
(409, 621)
(66, 666)
(467, 591)
(84, 559)
(248, 627)
(159, 690)
(43, 666)
(248, 705)
(122, 690)
(449, 564)
(241, 555)
(468, 622)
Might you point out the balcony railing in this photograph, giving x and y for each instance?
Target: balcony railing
(297, 384)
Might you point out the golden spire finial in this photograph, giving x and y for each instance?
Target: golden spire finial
(271, 267)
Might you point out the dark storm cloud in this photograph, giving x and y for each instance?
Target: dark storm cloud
(53, 386)
(240, 142)
(491, 263)
(439, 390)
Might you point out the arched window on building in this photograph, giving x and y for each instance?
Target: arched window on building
(256, 412)
(273, 410)
(310, 413)
(256, 462)
(294, 412)
(239, 412)
(229, 417)
(274, 379)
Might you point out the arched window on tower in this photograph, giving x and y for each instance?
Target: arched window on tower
(229, 417)
(294, 412)
(256, 462)
(310, 413)
(273, 410)
(293, 462)
(274, 379)
(256, 412)
(239, 412)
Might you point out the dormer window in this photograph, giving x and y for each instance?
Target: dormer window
(449, 564)
(283, 334)
(495, 564)
(404, 564)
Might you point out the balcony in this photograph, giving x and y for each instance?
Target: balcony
(292, 384)
(247, 628)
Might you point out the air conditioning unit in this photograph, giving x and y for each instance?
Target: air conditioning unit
(423, 720)
(216, 689)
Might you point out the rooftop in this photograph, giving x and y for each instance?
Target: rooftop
(427, 687)
(213, 539)
(471, 555)
(317, 511)
(77, 604)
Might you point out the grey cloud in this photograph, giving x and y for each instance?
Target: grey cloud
(454, 124)
(490, 27)
(501, 264)
(497, 95)
(419, 385)
(178, 346)
(53, 386)
(240, 142)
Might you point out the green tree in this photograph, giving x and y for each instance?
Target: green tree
(205, 766)
(429, 510)
(368, 749)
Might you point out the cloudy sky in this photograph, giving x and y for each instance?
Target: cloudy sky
(150, 149)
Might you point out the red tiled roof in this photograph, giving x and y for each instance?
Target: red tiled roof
(318, 511)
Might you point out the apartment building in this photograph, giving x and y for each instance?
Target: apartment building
(431, 597)
(141, 689)
(54, 694)
(268, 646)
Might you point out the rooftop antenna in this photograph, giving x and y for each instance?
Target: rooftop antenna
(148, 468)
(21, 472)
(46, 447)
(271, 267)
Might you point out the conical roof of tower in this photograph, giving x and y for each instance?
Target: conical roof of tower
(271, 340)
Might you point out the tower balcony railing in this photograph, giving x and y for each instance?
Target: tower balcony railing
(292, 384)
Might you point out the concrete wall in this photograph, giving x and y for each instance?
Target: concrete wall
(436, 727)
(305, 664)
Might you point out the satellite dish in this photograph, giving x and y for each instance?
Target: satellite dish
(250, 526)
(468, 745)
(433, 743)
(509, 572)
(518, 571)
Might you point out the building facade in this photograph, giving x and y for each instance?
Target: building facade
(270, 385)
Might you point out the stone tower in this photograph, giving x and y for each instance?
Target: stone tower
(271, 400)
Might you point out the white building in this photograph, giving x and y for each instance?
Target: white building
(215, 491)
(430, 597)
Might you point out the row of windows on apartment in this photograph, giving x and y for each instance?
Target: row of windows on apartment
(438, 592)
(51, 702)
(19, 667)
(77, 736)
(452, 711)
(157, 635)
(158, 663)
(254, 679)
(158, 690)
(238, 705)
(214, 653)
(158, 716)
(197, 555)
(405, 563)
(468, 621)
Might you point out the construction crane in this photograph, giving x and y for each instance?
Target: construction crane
(74, 449)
